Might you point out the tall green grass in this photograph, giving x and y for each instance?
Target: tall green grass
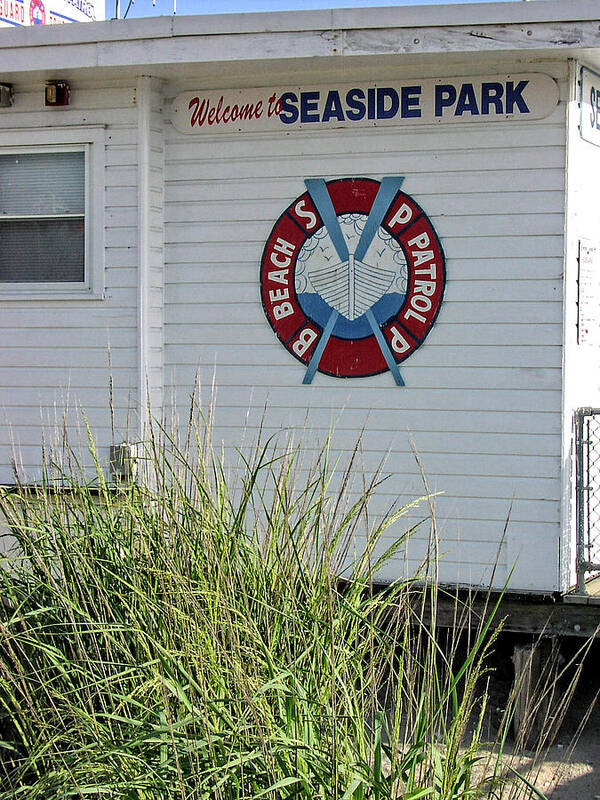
(187, 636)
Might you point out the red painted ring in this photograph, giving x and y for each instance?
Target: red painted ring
(404, 331)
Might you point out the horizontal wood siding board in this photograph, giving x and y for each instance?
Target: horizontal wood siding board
(193, 210)
(430, 441)
(476, 311)
(235, 373)
(334, 165)
(355, 419)
(70, 116)
(120, 155)
(423, 400)
(391, 140)
(526, 295)
(64, 379)
(214, 250)
(79, 357)
(494, 226)
(490, 356)
(120, 196)
(98, 315)
(55, 397)
(517, 242)
(440, 140)
(498, 269)
(92, 99)
(230, 332)
(234, 185)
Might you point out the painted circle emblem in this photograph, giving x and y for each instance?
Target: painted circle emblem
(352, 277)
(37, 12)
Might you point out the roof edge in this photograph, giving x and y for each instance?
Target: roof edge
(429, 16)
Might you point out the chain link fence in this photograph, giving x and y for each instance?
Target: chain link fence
(587, 447)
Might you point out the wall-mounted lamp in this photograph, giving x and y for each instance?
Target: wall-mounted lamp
(6, 95)
(57, 93)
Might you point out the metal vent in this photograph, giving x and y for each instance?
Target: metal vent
(123, 462)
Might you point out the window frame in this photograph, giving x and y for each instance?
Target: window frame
(90, 141)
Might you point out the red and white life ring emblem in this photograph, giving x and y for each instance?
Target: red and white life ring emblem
(352, 277)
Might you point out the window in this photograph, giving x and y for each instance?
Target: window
(42, 217)
(51, 222)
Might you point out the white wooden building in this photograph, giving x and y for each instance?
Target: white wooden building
(168, 206)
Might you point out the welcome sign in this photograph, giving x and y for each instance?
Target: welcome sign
(441, 100)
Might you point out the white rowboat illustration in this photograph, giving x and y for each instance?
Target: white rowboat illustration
(351, 287)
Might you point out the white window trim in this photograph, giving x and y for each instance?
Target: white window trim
(90, 140)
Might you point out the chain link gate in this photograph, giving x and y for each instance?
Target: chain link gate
(587, 448)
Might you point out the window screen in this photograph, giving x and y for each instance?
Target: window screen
(42, 217)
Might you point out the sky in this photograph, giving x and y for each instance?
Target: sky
(144, 8)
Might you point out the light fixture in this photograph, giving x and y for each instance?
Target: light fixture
(57, 93)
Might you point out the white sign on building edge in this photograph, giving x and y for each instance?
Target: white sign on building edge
(470, 99)
(49, 12)
(590, 106)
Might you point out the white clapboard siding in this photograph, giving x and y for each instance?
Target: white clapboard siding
(379, 395)
(550, 132)
(55, 353)
(423, 441)
(236, 373)
(582, 359)
(453, 486)
(482, 400)
(480, 308)
(542, 158)
(120, 199)
(154, 375)
(494, 225)
(477, 356)
(477, 312)
(525, 294)
(231, 187)
(215, 250)
(233, 332)
(79, 356)
(477, 247)
(194, 210)
(345, 417)
(403, 462)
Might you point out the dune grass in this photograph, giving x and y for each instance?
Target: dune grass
(184, 637)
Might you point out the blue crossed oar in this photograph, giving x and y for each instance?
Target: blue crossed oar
(317, 188)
